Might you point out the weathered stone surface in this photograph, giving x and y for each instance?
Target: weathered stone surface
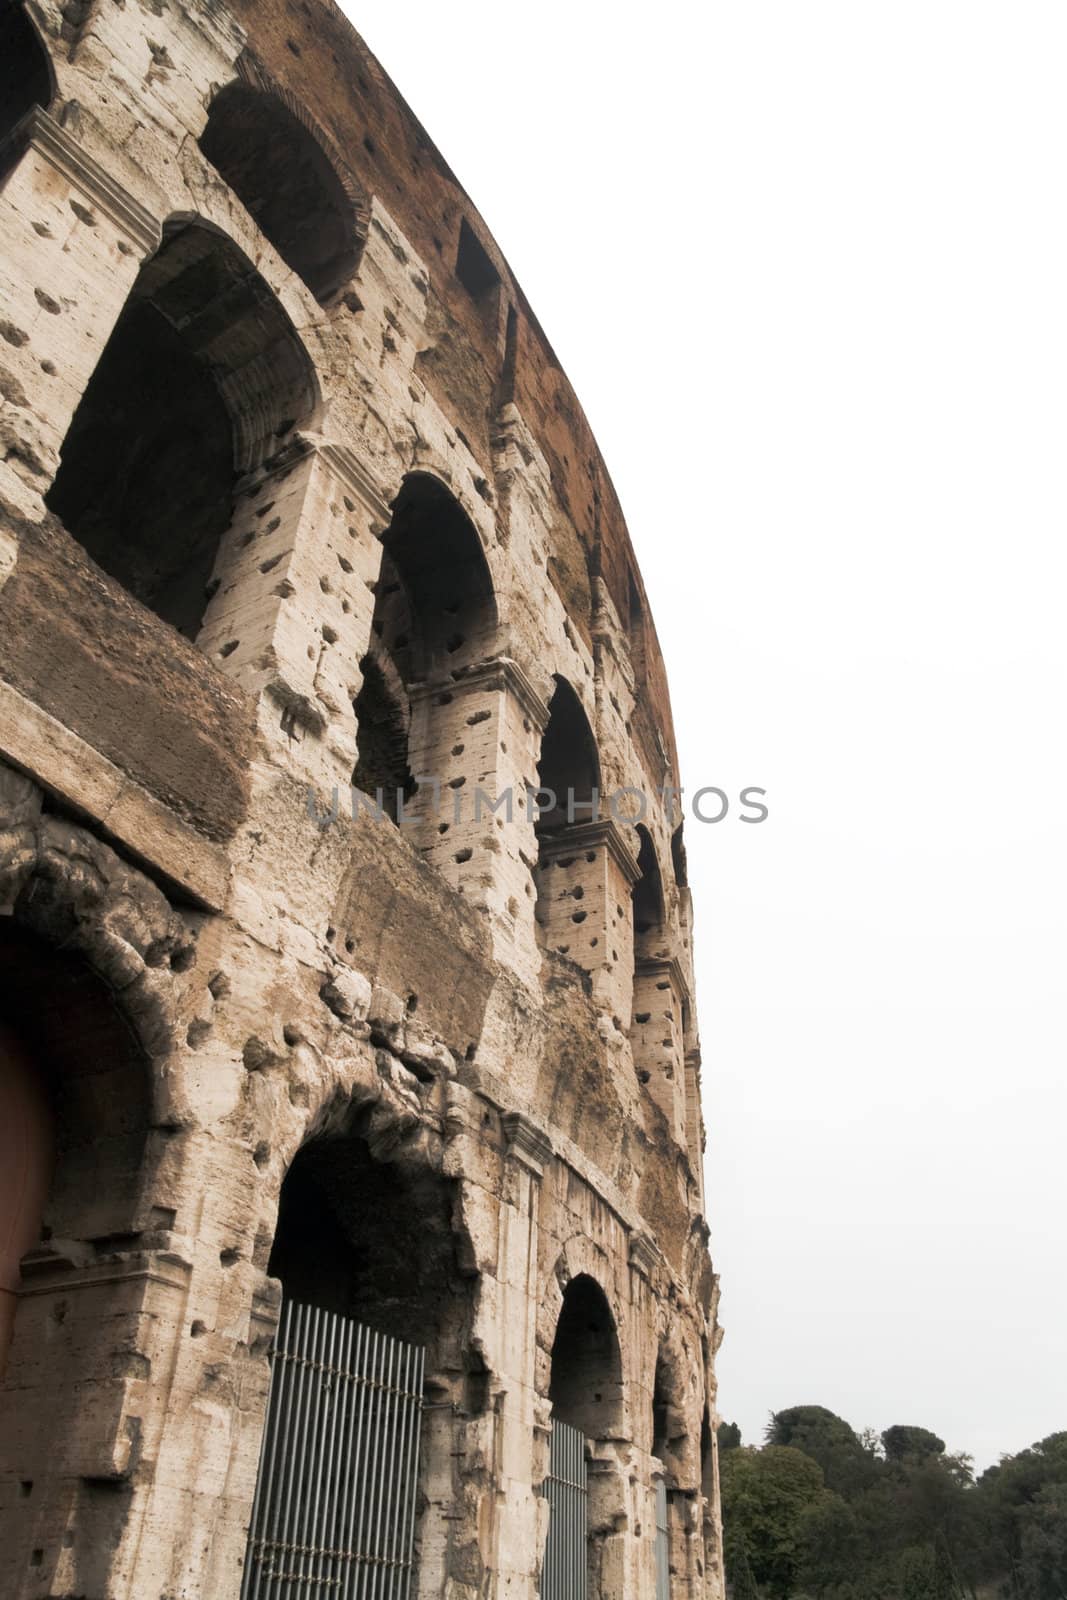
(81, 649)
(437, 1068)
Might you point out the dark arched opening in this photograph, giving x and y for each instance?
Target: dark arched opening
(586, 1383)
(568, 777)
(648, 913)
(90, 1082)
(366, 1256)
(201, 379)
(660, 1409)
(569, 766)
(434, 552)
(25, 68)
(586, 1392)
(364, 1238)
(656, 1032)
(74, 1129)
(678, 861)
(287, 182)
(434, 613)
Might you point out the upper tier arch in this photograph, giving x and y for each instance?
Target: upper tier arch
(289, 176)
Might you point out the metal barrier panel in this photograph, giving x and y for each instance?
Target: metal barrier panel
(663, 1543)
(564, 1574)
(334, 1512)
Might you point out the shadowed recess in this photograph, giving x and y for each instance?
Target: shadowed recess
(383, 719)
(569, 762)
(25, 70)
(203, 377)
(647, 897)
(366, 1239)
(287, 182)
(586, 1385)
(436, 557)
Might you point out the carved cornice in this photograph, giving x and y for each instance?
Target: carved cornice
(526, 1141)
(45, 1265)
(498, 674)
(668, 967)
(645, 1255)
(352, 475)
(605, 834)
(39, 131)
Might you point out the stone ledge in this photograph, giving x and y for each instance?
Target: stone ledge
(668, 967)
(62, 762)
(43, 133)
(526, 1141)
(579, 836)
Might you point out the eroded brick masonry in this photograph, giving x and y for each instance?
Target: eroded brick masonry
(295, 500)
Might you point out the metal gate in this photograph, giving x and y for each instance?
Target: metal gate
(563, 1576)
(663, 1543)
(334, 1512)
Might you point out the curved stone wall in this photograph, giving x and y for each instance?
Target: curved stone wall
(433, 1061)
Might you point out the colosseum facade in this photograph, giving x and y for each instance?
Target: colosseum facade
(351, 1146)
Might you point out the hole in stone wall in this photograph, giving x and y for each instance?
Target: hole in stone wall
(706, 1460)
(202, 373)
(433, 574)
(474, 269)
(287, 182)
(569, 768)
(25, 68)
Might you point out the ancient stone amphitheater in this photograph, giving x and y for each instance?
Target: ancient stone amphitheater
(352, 1234)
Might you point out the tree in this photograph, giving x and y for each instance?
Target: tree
(1007, 1490)
(847, 1465)
(945, 1584)
(739, 1578)
(1042, 1570)
(729, 1436)
(767, 1496)
(833, 1548)
(904, 1443)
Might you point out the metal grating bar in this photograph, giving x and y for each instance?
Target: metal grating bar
(564, 1573)
(334, 1510)
(663, 1543)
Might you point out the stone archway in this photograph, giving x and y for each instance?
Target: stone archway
(580, 1323)
(289, 176)
(203, 378)
(371, 1259)
(88, 952)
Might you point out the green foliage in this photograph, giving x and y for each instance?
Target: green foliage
(1023, 1502)
(847, 1463)
(729, 1436)
(1042, 1569)
(767, 1497)
(911, 1444)
(739, 1577)
(820, 1513)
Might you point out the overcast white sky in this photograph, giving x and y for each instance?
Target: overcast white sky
(805, 262)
